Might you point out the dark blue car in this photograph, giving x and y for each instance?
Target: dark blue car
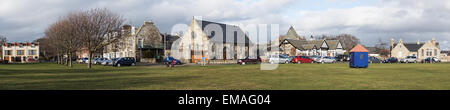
(177, 62)
(391, 60)
(129, 61)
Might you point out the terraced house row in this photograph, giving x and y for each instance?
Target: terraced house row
(20, 52)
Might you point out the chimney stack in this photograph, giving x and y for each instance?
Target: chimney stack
(433, 41)
(392, 43)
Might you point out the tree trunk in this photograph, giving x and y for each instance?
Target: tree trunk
(70, 60)
(90, 58)
(57, 59)
(67, 59)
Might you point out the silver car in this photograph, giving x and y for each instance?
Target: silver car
(409, 59)
(108, 62)
(279, 59)
(325, 59)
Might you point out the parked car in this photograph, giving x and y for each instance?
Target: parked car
(391, 60)
(374, 60)
(108, 61)
(99, 61)
(177, 62)
(248, 60)
(124, 61)
(342, 58)
(314, 57)
(409, 59)
(301, 59)
(3, 61)
(431, 60)
(32, 60)
(325, 59)
(82, 60)
(279, 59)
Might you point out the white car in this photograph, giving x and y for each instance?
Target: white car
(279, 59)
(409, 59)
(325, 59)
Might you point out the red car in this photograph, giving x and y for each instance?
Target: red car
(301, 59)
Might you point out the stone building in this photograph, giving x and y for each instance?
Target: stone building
(212, 41)
(419, 49)
(303, 47)
(144, 43)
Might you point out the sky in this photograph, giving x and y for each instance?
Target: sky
(369, 20)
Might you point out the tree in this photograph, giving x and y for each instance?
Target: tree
(92, 30)
(99, 28)
(381, 48)
(2, 40)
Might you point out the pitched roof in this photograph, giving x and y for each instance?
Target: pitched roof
(292, 34)
(226, 29)
(308, 45)
(333, 44)
(359, 48)
(414, 47)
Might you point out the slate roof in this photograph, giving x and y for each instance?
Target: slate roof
(333, 44)
(414, 47)
(292, 34)
(308, 45)
(228, 31)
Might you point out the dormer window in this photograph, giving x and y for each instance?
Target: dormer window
(21, 45)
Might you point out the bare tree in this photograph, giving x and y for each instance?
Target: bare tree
(382, 47)
(2, 40)
(98, 29)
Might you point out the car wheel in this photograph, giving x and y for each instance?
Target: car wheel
(118, 65)
(286, 62)
(322, 62)
(299, 62)
(243, 63)
(133, 64)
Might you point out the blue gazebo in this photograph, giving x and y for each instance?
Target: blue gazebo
(359, 57)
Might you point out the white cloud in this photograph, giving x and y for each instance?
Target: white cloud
(25, 20)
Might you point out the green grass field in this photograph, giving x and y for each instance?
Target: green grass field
(224, 77)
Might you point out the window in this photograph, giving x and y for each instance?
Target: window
(140, 43)
(435, 52)
(8, 52)
(429, 52)
(423, 53)
(20, 52)
(20, 45)
(130, 43)
(31, 52)
(193, 35)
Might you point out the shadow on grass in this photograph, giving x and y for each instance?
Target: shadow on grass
(112, 83)
(59, 71)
